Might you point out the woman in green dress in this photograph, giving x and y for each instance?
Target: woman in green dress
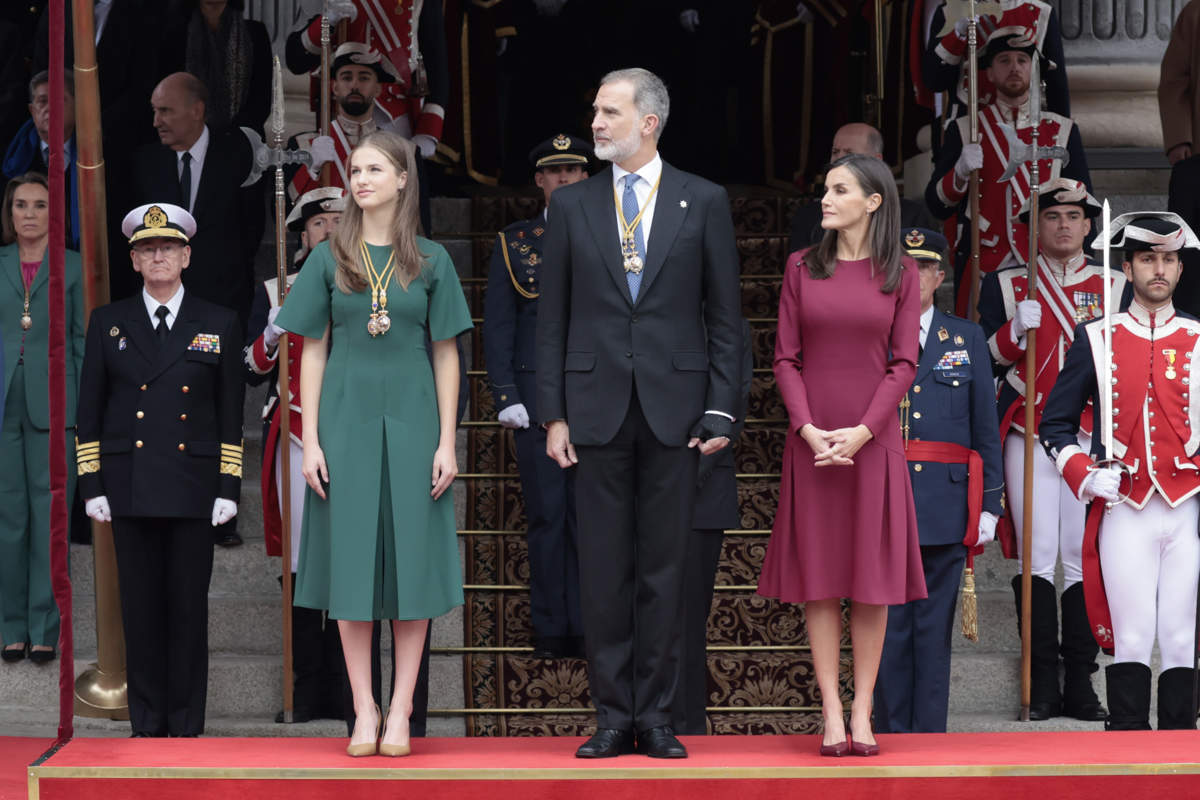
(378, 539)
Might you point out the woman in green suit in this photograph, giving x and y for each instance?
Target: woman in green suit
(28, 614)
(378, 538)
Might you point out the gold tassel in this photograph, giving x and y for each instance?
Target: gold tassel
(970, 607)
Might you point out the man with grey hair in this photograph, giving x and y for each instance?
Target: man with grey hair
(861, 139)
(639, 362)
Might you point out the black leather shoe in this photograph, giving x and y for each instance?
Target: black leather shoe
(228, 539)
(606, 743)
(141, 735)
(1043, 711)
(42, 656)
(298, 715)
(660, 742)
(11, 654)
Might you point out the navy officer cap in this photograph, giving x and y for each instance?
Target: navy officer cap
(561, 149)
(925, 245)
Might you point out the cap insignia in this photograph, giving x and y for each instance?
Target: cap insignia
(561, 142)
(914, 238)
(155, 217)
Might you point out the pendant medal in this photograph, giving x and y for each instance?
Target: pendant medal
(26, 322)
(373, 326)
(384, 322)
(632, 261)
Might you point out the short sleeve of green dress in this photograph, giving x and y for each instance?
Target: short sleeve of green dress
(378, 546)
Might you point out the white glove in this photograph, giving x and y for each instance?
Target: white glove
(960, 28)
(689, 18)
(987, 527)
(803, 13)
(1027, 318)
(514, 416)
(970, 159)
(223, 511)
(426, 144)
(323, 152)
(97, 509)
(272, 332)
(339, 10)
(1102, 483)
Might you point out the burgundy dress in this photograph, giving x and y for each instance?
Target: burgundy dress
(845, 354)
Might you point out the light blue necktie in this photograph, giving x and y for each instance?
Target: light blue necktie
(629, 208)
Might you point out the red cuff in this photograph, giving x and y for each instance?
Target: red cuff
(1076, 470)
(951, 192)
(311, 38)
(950, 43)
(263, 363)
(431, 121)
(1004, 343)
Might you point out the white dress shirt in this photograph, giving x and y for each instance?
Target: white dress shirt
(926, 321)
(649, 173)
(199, 150)
(172, 307)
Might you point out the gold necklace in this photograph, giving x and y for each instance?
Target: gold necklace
(379, 323)
(632, 261)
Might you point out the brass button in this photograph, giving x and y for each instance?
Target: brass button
(917, 389)
(917, 468)
(182, 447)
(185, 390)
(503, 397)
(141, 414)
(955, 383)
(916, 415)
(183, 417)
(143, 387)
(138, 443)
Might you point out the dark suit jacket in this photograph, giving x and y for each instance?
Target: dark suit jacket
(955, 403)
(716, 482)
(680, 343)
(175, 457)
(229, 219)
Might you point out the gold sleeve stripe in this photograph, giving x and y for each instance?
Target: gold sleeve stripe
(83, 455)
(231, 469)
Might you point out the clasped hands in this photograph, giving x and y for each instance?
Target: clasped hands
(837, 447)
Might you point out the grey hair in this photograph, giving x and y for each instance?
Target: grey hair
(649, 93)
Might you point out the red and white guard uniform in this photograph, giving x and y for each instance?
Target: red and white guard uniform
(1148, 549)
(1069, 293)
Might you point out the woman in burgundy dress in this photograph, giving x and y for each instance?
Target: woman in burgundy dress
(845, 354)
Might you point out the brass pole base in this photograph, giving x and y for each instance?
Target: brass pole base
(101, 695)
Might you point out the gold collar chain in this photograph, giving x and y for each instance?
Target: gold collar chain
(632, 261)
(379, 323)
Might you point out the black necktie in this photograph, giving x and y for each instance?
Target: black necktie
(185, 182)
(162, 330)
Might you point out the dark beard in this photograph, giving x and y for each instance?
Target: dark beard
(354, 104)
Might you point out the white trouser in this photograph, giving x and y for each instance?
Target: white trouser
(297, 488)
(1058, 517)
(1150, 560)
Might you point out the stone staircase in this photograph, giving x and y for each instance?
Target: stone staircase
(244, 633)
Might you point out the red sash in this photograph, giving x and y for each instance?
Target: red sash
(1094, 597)
(950, 453)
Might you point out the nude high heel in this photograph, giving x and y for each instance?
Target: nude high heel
(393, 750)
(368, 748)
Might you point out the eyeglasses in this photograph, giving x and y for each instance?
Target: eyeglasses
(150, 250)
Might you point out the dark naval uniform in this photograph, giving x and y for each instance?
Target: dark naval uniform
(509, 328)
(160, 435)
(950, 411)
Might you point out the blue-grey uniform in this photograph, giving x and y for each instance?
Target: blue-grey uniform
(950, 407)
(509, 332)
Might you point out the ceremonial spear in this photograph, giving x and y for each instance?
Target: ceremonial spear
(277, 157)
(973, 187)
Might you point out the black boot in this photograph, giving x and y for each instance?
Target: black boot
(1175, 700)
(1045, 698)
(1079, 650)
(1128, 696)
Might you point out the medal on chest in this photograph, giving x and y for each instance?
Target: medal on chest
(1170, 373)
(631, 259)
(379, 322)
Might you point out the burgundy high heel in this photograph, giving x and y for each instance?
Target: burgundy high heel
(860, 749)
(836, 750)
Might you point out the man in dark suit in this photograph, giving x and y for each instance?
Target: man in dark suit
(639, 353)
(203, 171)
(160, 455)
(509, 334)
(953, 440)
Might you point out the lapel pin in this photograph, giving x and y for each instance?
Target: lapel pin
(121, 343)
(942, 335)
(114, 331)
(958, 340)
(683, 203)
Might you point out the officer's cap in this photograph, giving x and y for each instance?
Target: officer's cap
(1157, 231)
(924, 244)
(359, 54)
(561, 149)
(329, 199)
(158, 221)
(1063, 192)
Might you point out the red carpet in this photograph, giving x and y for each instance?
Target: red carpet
(976, 766)
(16, 754)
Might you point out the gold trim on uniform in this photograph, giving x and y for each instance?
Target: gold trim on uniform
(528, 295)
(231, 469)
(87, 457)
(231, 459)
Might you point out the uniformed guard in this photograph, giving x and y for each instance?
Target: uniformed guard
(316, 647)
(509, 325)
(159, 451)
(1006, 60)
(1070, 291)
(953, 449)
(1141, 559)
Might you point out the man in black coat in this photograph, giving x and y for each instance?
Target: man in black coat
(159, 450)
(639, 353)
(202, 171)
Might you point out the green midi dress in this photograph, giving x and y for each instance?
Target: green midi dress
(379, 547)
